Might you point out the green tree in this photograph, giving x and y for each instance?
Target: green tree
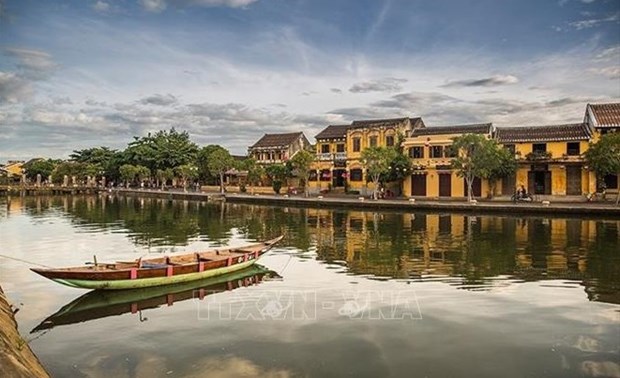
(506, 165)
(219, 161)
(164, 149)
(603, 157)
(255, 172)
(301, 163)
(163, 175)
(128, 173)
(477, 156)
(72, 168)
(40, 167)
(377, 161)
(186, 172)
(277, 174)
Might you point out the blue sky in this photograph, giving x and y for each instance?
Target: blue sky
(79, 74)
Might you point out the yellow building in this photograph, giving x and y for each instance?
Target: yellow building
(277, 148)
(550, 159)
(431, 157)
(329, 170)
(603, 119)
(339, 151)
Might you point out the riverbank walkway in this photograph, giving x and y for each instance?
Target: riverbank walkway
(351, 202)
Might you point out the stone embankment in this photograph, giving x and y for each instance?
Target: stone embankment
(16, 358)
(550, 208)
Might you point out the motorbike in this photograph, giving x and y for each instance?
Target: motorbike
(522, 197)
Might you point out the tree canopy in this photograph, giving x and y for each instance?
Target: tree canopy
(377, 161)
(603, 157)
(301, 163)
(477, 156)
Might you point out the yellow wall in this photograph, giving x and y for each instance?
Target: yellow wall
(429, 165)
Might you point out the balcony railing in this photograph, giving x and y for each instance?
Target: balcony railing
(538, 156)
(340, 156)
(330, 156)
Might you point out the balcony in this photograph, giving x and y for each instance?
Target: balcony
(538, 156)
(329, 156)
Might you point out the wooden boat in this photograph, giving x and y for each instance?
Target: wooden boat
(159, 271)
(98, 304)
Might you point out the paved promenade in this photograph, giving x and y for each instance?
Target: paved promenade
(586, 209)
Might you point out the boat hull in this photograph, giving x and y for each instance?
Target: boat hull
(150, 282)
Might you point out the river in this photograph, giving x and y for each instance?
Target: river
(345, 293)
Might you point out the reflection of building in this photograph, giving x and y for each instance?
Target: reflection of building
(472, 251)
(277, 148)
(431, 155)
(550, 159)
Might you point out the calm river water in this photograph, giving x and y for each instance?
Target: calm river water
(345, 293)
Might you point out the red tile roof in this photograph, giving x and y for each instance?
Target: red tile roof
(482, 128)
(277, 140)
(549, 133)
(333, 132)
(604, 115)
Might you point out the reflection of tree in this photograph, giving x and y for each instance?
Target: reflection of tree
(471, 250)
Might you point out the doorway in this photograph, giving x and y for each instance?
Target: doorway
(418, 185)
(445, 185)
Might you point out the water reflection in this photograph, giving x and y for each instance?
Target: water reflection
(469, 252)
(102, 304)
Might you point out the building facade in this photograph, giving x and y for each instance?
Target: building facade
(339, 165)
(603, 119)
(431, 156)
(550, 159)
(277, 148)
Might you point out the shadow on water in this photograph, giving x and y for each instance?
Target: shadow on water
(468, 252)
(99, 304)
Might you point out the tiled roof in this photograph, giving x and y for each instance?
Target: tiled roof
(482, 128)
(605, 115)
(383, 122)
(333, 132)
(550, 133)
(277, 140)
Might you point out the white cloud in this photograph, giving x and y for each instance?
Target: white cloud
(13, 88)
(101, 6)
(154, 6)
(160, 100)
(484, 82)
(389, 84)
(157, 6)
(33, 63)
(590, 23)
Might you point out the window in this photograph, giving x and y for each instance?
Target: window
(436, 151)
(389, 140)
(326, 175)
(511, 148)
(372, 141)
(539, 147)
(572, 148)
(312, 175)
(357, 146)
(355, 175)
(416, 152)
(340, 147)
(324, 148)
